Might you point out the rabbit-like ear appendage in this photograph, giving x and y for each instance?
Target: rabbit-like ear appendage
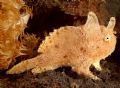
(92, 22)
(111, 23)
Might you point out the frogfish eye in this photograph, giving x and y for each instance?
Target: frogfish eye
(107, 37)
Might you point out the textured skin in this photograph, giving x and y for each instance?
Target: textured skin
(78, 47)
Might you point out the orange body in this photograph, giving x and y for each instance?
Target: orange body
(78, 47)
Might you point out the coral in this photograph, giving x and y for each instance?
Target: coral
(12, 24)
(29, 44)
(46, 3)
(75, 7)
(82, 7)
(78, 47)
(9, 48)
(41, 6)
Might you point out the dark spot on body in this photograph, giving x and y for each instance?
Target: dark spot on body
(56, 46)
(0, 4)
(82, 49)
(65, 56)
(57, 33)
(50, 41)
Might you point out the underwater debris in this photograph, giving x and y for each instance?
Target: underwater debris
(12, 24)
(78, 47)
